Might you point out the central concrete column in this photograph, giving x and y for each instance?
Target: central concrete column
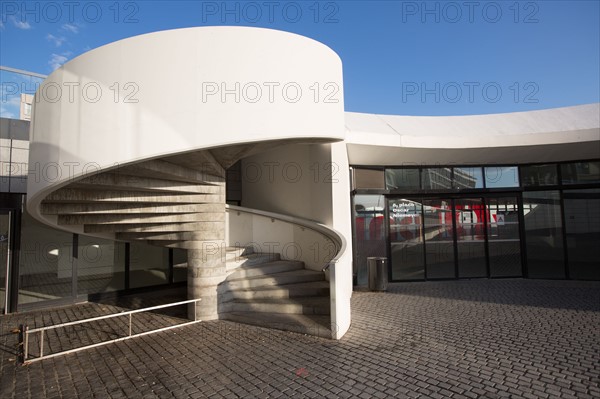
(206, 270)
(206, 250)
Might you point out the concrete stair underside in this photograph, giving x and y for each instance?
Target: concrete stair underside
(265, 291)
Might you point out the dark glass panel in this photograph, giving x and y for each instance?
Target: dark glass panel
(543, 234)
(369, 232)
(582, 225)
(439, 238)
(539, 175)
(406, 237)
(405, 178)
(470, 237)
(504, 243)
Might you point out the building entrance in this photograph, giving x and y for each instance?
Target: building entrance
(454, 237)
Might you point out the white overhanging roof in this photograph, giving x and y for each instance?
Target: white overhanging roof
(551, 135)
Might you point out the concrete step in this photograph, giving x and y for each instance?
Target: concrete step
(313, 288)
(316, 325)
(305, 305)
(234, 252)
(264, 269)
(251, 259)
(296, 276)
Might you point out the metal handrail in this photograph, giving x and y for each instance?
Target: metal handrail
(25, 331)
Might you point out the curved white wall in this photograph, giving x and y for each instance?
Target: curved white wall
(155, 99)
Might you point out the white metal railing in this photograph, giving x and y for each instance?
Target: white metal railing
(25, 332)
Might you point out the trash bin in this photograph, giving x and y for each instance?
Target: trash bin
(378, 273)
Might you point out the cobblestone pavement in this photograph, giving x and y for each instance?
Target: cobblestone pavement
(453, 339)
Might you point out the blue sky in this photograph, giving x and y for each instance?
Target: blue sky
(399, 57)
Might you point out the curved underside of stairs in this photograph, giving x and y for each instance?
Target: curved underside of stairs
(154, 169)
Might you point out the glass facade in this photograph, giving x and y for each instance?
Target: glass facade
(59, 267)
(535, 221)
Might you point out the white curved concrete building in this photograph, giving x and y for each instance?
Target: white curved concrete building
(147, 151)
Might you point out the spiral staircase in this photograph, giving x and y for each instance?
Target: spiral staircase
(160, 146)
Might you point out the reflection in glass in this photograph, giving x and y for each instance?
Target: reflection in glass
(439, 236)
(543, 234)
(436, 178)
(179, 265)
(501, 176)
(539, 175)
(467, 178)
(148, 265)
(369, 232)
(504, 243)
(404, 178)
(100, 265)
(582, 226)
(580, 172)
(470, 238)
(406, 236)
(368, 178)
(45, 262)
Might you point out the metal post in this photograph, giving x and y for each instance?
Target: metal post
(26, 343)
(8, 263)
(41, 343)
(130, 324)
(195, 302)
(21, 346)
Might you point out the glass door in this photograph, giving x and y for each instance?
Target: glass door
(5, 239)
(406, 239)
(470, 237)
(439, 238)
(504, 241)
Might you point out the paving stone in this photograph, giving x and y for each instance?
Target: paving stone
(478, 338)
